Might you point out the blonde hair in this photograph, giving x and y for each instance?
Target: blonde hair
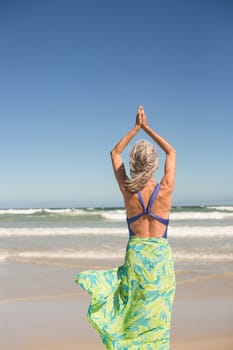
(143, 163)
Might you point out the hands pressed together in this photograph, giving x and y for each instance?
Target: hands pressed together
(141, 120)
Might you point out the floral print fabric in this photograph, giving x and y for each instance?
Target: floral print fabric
(131, 305)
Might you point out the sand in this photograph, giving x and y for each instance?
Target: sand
(49, 315)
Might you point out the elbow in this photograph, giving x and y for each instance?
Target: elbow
(172, 152)
(114, 152)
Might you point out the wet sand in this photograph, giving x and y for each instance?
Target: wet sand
(50, 314)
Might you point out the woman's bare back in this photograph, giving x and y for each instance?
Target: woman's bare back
(147, 226)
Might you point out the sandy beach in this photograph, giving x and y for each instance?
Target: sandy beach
(41, 252)
(50, 314)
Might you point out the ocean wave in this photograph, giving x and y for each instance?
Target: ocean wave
(62, 231)
(63, 212)
(184, 256)
(45, 255)
(221, 208)
(60, 254)
(19, 211)
(176, 232)
(200, 231)
(115, 215)
(196, 215)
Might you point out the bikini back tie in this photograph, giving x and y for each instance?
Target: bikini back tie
(147, 211)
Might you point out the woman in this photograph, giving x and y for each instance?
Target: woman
(131, 305)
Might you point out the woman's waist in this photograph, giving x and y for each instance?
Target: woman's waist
(144, 249)
(153, 229)
(148, 235)
(148, 241)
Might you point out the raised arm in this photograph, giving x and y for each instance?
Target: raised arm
(117, 162)
(168, 179)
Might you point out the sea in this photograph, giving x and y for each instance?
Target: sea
(201, 237)
(42, 249)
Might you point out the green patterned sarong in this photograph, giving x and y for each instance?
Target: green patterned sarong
(131, 305)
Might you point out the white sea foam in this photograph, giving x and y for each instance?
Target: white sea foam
(20, 211)
(176, 232)
(66, 211)
(192, 215)
(115, 215)
(120, 215)
(30, 256)
(200, 231)
(221, 208)
(61, 231)
(60, 254)
(217, 213)
(183, 256)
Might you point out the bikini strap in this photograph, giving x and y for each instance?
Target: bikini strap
(148, 211)
(141, 201)
(153, 196)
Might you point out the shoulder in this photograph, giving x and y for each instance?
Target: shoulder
(167, 185)
(165, 195)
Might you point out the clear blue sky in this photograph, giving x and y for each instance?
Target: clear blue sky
(72, 74)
